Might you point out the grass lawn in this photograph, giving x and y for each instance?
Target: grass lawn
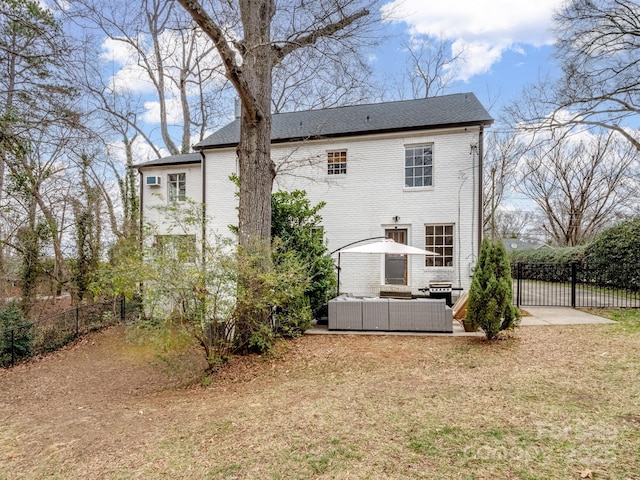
(549, 402)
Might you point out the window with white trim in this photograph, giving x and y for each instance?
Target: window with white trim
(177, 187)
(418, 166)
(439, 239)
(337, 162)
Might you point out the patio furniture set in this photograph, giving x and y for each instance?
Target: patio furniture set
(390, 314)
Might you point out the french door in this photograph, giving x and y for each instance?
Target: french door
(395, 266)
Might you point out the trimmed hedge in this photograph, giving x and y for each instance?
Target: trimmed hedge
(613, 258)
(615, 255)
(550, 255)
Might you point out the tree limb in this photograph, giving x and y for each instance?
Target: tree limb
(227, 54)
(281, 51)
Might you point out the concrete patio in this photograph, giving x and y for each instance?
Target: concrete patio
(560, 316)
(537, 316)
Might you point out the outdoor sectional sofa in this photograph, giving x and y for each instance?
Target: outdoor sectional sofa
(390, 314)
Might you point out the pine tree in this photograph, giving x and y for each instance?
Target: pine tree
(490, 295)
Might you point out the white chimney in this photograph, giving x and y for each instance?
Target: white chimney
(237, 106)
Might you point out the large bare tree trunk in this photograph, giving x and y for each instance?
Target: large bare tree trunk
(257, 171)
(254, 150)
(4, 281)
(256, 181)
(252, 79)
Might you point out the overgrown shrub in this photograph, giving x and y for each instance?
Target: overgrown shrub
(615, 255)
(297, 224)
(16, 339)
(222, 296)
(290, 293)
(490, 295)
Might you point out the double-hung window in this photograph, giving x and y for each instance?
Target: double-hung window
(418, 166)
(337, 162)
(177, 185)
(439, 239)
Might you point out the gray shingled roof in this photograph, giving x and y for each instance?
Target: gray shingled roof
(171, 160)
(448, 110)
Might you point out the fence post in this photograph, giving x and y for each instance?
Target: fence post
(77, 321)
(574, 281)
(122, 309)
(519, 273)
(13, 349)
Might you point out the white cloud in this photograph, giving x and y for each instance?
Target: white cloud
(475, 57)
(152, 111)
(133, 66)
(130, 77)
(141, 151)
(484, 28)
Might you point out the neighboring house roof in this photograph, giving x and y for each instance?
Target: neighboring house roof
(171, 160)
(461, 109)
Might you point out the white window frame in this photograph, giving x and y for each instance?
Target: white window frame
(177, 187)
(439, 238)
(337, 162)
(418, 166)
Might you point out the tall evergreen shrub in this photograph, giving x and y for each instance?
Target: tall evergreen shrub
(490, 296)
(296, 223)
(16, 339)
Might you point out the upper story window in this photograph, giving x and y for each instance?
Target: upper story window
(439, 239)
(177, 185)
(418, 166)
(337, 162)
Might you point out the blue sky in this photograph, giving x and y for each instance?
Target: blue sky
(507, 43)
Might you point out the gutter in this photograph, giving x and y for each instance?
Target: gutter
(203, 171)
(141, 208)
(480, 174)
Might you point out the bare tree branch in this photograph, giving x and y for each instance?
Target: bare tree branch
(281, 51)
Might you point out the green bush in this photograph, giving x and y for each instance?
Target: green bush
(615, 255)
(292, 321)
(489, 306)
(550, 255)
(295, 222)
(290, 292)
(610, 260)
(13, 324)
(557, 263)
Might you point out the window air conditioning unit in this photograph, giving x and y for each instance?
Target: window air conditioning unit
(154, 181)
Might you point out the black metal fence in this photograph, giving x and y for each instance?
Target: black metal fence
(55, 331)
(570, 285)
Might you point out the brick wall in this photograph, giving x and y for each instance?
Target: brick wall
(156, 196)
(364, 202)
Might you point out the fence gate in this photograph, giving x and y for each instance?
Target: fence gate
(567, 285)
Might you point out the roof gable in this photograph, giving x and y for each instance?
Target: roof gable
(434, 112)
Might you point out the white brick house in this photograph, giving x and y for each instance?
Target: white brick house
(410, 170)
